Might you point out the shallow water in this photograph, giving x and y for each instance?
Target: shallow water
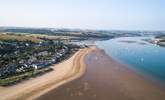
(106, 79)
(95, 84)
(144, 57)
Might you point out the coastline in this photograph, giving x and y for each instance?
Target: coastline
(116, 82)
(107, 79)
(63, 73)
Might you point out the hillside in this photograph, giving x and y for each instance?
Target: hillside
(7, 36)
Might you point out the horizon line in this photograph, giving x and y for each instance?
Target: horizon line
(71, 28)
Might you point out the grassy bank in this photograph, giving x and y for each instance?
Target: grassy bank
(16, 78)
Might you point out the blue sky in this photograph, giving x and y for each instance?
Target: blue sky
(84, 14)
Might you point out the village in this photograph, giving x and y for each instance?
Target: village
(25, 59)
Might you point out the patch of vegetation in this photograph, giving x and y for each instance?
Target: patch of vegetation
(64, 34)
(6, 37)
(16, 78)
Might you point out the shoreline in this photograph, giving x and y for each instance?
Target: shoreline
(107, 79)
(141, 74)
(133, 83)
(118, 78)
(64, 72)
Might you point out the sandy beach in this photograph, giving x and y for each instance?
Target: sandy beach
(90, 74)
(64, 72)
(107, 79)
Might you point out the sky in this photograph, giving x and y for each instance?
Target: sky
(84, 14)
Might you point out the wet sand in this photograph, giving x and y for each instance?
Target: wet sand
(64, 72)
(106, 79)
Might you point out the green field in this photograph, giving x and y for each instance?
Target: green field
(19, 37)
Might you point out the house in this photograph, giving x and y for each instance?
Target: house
(40, 65)
(22, 68)
(10, 69)
(59, 55)
(53, 60)
(44, 53)
(31, 59)
(34, 66)
(27, 44)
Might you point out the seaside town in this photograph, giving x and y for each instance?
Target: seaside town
(82, 50)
(37, 59)
(24, 59)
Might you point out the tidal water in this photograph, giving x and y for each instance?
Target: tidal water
(101, 81)
(106, 79)
(141, 56)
